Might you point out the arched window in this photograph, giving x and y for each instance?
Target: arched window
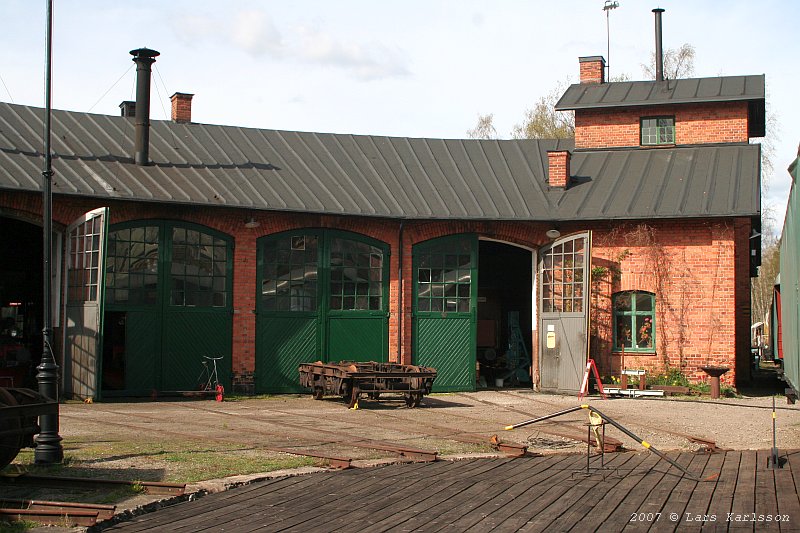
(634, 321)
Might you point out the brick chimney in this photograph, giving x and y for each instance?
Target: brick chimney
(558, 168)
(593, 69)
(181, 107)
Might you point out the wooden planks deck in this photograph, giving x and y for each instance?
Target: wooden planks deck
(634, 492)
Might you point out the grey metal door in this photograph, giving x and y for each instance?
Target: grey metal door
(84, 303)
(564, 312)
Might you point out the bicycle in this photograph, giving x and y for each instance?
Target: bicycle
(208, 380)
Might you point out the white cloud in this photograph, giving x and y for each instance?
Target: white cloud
(255, 33)
(367, 61)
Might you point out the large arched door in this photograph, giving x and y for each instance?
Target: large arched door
(168, 304)
(444, 308)
(564, 316)
(322, 296)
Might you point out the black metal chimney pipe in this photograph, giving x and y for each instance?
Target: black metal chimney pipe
(659, 53)
(144, 57)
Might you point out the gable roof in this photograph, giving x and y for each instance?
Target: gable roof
(396, 177)
(648, 93)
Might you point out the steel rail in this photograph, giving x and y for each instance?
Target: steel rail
(104, 512)
(150, 487)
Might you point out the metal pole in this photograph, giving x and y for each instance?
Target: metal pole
(48, 441)
(775, 460)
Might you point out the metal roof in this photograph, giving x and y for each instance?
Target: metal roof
(647, 93)
(398, 177)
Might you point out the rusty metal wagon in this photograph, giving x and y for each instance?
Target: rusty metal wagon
(19, 412)
(351, 379)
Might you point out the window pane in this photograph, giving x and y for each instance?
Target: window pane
(133, 261)
(644, 332)
(644, 302)
(622, 302)
(624, 333)
(193, 268)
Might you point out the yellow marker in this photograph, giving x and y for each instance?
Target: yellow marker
(509, 428)
(585, 406)
(646, 444)
(774, 414)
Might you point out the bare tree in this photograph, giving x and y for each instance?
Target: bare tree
(762, 286)
(678, 63)
(484, 129)
(544, 122)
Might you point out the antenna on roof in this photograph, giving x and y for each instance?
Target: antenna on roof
(609, 5)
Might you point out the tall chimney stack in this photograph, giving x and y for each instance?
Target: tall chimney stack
(144, 58)
(659, 52)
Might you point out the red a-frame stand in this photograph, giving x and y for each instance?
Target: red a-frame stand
(591, 367)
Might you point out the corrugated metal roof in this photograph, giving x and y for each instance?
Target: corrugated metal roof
(640, 93)
(372, 175)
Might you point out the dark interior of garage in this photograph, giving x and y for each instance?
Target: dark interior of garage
(504, 315)
(20, 302)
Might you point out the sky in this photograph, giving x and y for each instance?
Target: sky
(410, 68)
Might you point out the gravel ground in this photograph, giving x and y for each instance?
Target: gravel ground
(444, 422)
(456, 425)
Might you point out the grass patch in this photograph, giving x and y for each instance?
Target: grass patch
(179, 461)
(17, 526)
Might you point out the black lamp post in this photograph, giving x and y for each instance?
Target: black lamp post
(48, 441)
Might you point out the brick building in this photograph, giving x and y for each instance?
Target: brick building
(499, 262)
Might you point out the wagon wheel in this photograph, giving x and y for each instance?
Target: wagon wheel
(355, 392)
(317, 393)
(10, 444)
(413, 399)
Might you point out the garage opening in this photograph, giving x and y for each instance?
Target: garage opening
(20, 302)
(504, 324)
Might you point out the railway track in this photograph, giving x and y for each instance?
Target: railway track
(70, 514)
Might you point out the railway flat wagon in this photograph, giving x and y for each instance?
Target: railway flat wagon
(20, 410)
(352, 379)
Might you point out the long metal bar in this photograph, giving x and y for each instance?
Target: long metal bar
(52, 517)
(104, 512)
(546, 417)
(150, 487)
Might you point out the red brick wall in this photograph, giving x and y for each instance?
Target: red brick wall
(694, 124)
(702, 300)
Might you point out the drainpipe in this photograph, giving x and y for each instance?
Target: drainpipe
(400, 295)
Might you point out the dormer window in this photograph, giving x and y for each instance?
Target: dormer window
(658, 130)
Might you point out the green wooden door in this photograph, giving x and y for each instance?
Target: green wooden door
(323, 296)
(445, 296)
(197, 308)
(169, 289)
